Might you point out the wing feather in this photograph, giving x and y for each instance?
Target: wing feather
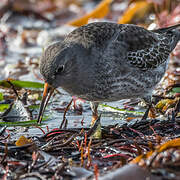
(141, 48)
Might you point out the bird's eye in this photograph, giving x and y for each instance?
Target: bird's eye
(60, 69)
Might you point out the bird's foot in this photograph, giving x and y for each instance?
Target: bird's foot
(150, 112)
(94, 118)
(145, 116)
(96, 126)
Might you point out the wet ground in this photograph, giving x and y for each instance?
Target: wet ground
(25, 30)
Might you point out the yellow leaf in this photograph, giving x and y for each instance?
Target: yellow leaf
(164, 104)
(152, 113)
(137, 159)
(167, 145)
(135, 10)
(99, 12)
(170, 144)
(23, 141)
(128, 119)
(140, 157)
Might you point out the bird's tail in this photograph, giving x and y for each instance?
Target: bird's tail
(162, 30)
(172, 33)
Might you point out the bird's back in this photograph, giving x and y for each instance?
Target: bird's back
(102, 33)
(127, 60)
(93, 34)
(139, 47)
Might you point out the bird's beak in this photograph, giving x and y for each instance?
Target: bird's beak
(48, 91)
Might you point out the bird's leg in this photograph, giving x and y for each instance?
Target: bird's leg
(94, 106)
(145, 116)
(148, 102)
(97, 132)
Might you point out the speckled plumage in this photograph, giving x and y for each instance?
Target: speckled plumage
(105, 61)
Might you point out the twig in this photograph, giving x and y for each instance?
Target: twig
(5, 155)
(13, 88)
(33, 174)
(92, 130)
(64, 116)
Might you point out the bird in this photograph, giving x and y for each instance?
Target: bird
(106, 61)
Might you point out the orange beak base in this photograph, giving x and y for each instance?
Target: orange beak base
(48, 91)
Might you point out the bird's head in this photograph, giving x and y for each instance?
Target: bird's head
(55, 65)
(58, 65)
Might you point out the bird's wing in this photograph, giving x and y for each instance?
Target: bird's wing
(94, 34)
(139, 47)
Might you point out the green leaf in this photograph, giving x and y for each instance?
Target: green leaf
(33, 106)
(23, 123)
(4, 107)
(1, 96)
(120, 110)
(21, 84)
(176, 89)
(20, 123)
